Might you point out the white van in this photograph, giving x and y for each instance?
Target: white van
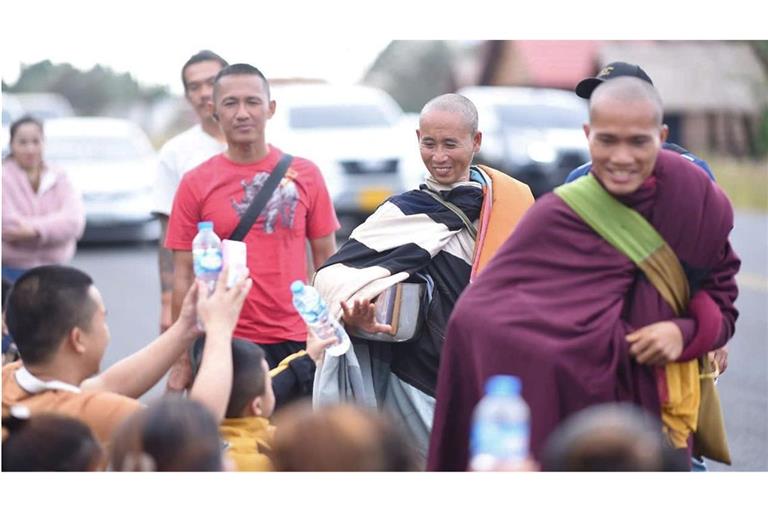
(355, 136)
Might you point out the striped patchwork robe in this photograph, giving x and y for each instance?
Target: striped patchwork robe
(413, 237)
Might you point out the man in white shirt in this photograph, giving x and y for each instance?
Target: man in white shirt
(182, 153)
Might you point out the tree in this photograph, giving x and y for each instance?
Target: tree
(97, 91)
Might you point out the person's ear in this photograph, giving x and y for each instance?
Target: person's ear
(664, 133)
(477, 141)
(586, 129)
(74, 339)
(256, 407)
(212, 111)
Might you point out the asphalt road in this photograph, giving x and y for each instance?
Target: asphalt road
(127, 278)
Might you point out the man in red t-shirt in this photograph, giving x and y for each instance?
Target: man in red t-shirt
(220, 190)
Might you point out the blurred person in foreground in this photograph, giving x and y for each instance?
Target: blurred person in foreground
(171, 434)
(344, 437)
(574, 318)
(441, 235)
(610, 437)
(10, 352)
(43, 215)
(48, 442)
(220, 190)
(58, 320)
(182, 153)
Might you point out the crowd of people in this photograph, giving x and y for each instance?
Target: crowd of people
(540, 290)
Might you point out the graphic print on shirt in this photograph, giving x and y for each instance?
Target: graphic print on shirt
(282, 204)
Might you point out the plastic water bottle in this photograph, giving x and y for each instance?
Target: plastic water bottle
(500, 426)
(314, 311)
(206, 255)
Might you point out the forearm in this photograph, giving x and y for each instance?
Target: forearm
(293, 378)
(183, 277)
(721, 286)
(165, 270)
(58, 227)
(322, 249)
(65, 224)
(136, 374)
(164, 260)
(213, 383)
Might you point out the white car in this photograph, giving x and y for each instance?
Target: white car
(12, 110)
(353, 134)
(533, 134)
(113, 164)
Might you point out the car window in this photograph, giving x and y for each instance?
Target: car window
(540, 116)
(95, 148)
(338, 116)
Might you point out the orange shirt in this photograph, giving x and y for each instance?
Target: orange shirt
(102, 411)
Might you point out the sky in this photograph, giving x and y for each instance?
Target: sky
(152, 40)
(336, 40)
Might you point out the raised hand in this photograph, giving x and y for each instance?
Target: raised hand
(362, 316)
(221, 309)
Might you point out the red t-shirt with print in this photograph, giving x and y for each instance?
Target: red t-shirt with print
(220, 190)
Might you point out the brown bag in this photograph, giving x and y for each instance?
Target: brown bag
(710, 439)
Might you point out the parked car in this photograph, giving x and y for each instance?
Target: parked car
(532, 134)
(12, 110)
(113, 164)
(352, 133)
(44, 105)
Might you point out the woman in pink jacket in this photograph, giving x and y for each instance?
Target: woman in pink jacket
(43, 216)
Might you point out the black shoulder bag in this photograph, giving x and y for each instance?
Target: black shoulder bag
(261, 199)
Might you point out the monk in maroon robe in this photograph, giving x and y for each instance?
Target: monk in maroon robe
(574, 318)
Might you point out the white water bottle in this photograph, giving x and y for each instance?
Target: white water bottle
(500, 426)
(206, 255)
(314, 311)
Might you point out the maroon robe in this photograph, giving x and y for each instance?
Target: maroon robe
(555, 304)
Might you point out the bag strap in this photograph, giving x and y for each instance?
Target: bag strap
(455, 209)
(627, 231)
(260, 201)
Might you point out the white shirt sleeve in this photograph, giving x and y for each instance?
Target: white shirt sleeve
(166, 183)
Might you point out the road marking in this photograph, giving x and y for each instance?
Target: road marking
(752, 281)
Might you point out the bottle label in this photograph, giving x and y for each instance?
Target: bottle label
(503, 442)
(207, 261)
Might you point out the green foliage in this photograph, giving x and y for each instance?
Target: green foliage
(413, 72)
(762, 135)
(91, 92)
(744, 180)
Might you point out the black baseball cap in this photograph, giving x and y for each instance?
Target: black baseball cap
(612, 70)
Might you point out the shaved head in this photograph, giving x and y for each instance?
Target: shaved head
(456, 104)
(626, 90)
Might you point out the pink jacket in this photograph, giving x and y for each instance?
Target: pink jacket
(56, 211)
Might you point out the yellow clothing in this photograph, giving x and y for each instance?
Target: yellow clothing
(249, 442)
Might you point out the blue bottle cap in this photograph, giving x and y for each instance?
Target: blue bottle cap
(206, 224)
(297, 286)
(502, 385)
